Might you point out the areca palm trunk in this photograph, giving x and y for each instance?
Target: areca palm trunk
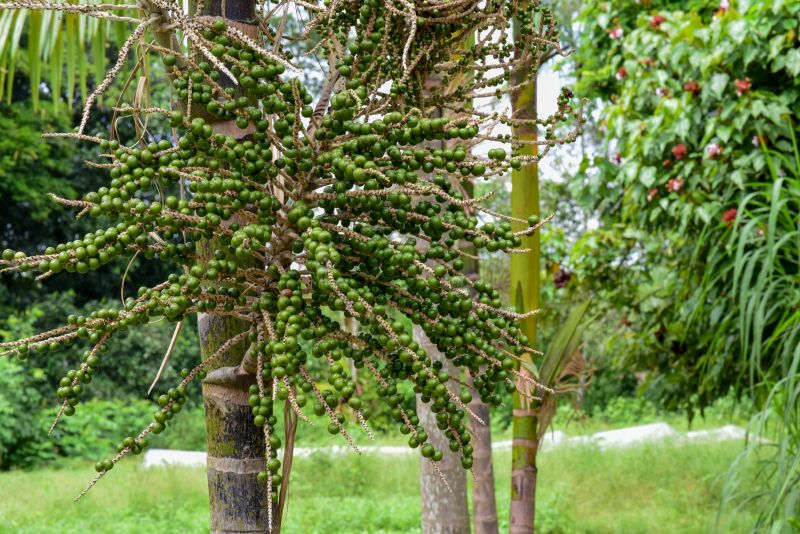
(484, 504)
(524, 295)
(236, 449)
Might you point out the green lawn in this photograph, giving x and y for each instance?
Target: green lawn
(646, 489)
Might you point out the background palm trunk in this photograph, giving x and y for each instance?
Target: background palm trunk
(525, 296)
(484, 504)
(444, 510)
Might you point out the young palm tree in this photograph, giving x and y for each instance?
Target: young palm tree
(530, 417)
(524, 294)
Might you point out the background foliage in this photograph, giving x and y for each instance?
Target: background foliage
(695, 192)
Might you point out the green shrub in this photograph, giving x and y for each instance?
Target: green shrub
(97, 427)
(19, 400)
(136, 354)
(94, 429)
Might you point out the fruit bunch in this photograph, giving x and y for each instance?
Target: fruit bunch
(281, 209)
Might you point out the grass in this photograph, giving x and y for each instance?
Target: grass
(645, 489)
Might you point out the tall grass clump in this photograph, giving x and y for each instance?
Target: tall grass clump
(765, 248)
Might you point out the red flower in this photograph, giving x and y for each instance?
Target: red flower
(679, 151)
(742, 86)
(674, 185)
(616, 33)
(622, 73)
(561, 278)
(653, 193)
(656, 21)
(691, 87)
(729, 216)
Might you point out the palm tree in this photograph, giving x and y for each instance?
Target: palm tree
(524, 295)
(530, 416)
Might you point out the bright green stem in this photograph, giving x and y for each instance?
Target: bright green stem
(525, 296)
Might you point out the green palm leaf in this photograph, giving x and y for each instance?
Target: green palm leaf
(34, 65)
(58, 43)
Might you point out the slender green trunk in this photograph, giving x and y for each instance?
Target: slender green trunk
(525, 296)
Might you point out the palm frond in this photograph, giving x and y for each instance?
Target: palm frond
(55, 38)
(562, 362)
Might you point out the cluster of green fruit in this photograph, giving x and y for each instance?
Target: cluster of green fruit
(298, 216)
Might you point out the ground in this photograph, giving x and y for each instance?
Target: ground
(657, 488)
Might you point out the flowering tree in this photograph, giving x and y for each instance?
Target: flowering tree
(698, 196)
(277, 209)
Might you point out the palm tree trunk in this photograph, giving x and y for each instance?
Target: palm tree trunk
(484, 505)
(525, 296)
(236, 453)
(444, 506)
(444, 509)
(236, 450)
